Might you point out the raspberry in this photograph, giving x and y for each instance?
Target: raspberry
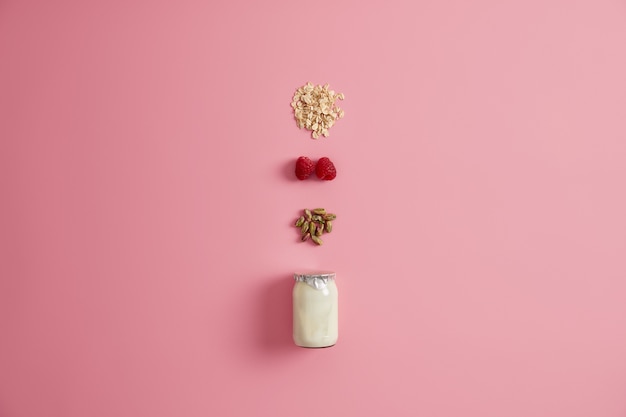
(304, 168)
(325, 169)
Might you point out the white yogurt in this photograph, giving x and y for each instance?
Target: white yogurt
(315, 310)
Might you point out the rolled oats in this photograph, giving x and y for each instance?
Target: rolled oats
(315, 109)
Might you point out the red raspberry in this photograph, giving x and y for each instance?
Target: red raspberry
(304, 168)
(325, 169)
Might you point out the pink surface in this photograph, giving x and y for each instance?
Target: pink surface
(146, 155)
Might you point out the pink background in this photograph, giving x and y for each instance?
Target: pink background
(146, 156)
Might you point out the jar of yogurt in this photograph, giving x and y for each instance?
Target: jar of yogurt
(315, 309)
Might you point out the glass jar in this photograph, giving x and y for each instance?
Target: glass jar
(315, 309)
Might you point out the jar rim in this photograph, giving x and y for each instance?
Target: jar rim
(301, 276)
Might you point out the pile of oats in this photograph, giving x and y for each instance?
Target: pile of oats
(315, 110)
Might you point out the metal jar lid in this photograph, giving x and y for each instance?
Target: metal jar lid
(316, 279)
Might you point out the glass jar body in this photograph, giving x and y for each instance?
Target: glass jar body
(315, 310)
